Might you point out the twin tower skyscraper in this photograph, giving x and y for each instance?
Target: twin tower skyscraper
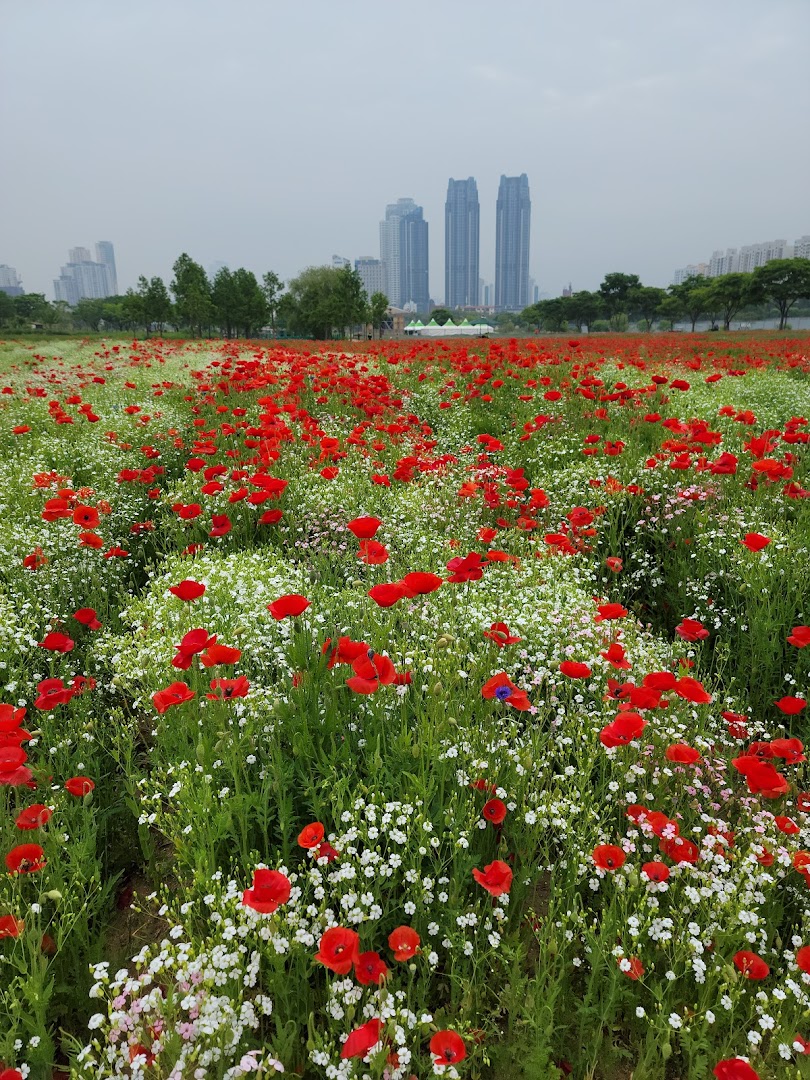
(404, 247)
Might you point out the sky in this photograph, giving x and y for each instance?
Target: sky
(271, 135)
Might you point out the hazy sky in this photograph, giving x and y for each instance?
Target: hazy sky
(271, 135)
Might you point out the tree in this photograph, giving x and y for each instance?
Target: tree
(692, 296)
(670, 310)
(784, 281)
(252, 310)
(158, 303)
(89, 313)
(584, 308)
(351, 301)
(6, 308)
(730, 292)
(378, 310)
(192, 293)
(32, 308)
(225, 301)
(645, 300)
(551, 315)
(272, 287)
(133, 305)
(322, 300)
(616, 291)
(441, 315)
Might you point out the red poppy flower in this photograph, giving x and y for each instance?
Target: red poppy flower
(790, 706)
(575, 670)
(682, 754)
(387, 594)
(502, 688)
(86, 516)
(500, 633)
(175, 694)
(655, 871)
(364, 528)
(372, 553)
(326, 851)
(418, 583)
(691, 630)
(466, 568)
(369, 967)
(606, 612)
(616, 656)
(762, 778)
(803, 958)
(60, 643)
(404, 943)
(292, 605)
(311, 835)
(339, 948)
(448, 1047)
(187, 590)
(786, 825)
(270, 890)
(361, 1040)
(631, 966)
(33, 817)
(615, 564)
(11, 1074)
(800, 637)
(25, 859)
(217, 654)
(691, 690)
(87, 617)
(192, 643)
(496, 877)
(790, 750)
(220, 525)
(680, 850)
(79, 786)
(755, 541)
(494, 811)
(10, 927)
(623, 730)
(608, 857)
(751, 965)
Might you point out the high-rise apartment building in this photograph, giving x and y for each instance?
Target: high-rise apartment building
(372, 273)
(83, 279)
(512, 234)
(340, 261)
(404, 254)
(745, 259)
(461, 244)
(10, 282)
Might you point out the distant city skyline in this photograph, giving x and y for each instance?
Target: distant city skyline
(404, 253)
(462, 222)
(85, 278)
(512, 243)
(745, 259)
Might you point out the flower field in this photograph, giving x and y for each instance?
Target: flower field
(436, 708)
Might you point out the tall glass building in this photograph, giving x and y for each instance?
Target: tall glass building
(512, 230)
(404, 254)
(461, 244)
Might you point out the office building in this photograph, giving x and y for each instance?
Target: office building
(512, 235)
(338, 262)
(82, 278)
(404, 254)
(10, 282)
(372, 273)
(461, 244)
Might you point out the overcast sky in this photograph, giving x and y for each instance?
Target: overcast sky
(271, 135)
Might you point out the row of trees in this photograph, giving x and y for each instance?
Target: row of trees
(621, 299)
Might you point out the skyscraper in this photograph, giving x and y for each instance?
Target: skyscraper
(372, 274)
(512, 230)
(105, 254)
(81, 278)
(461, 245)
(404, 254)
(10, 282)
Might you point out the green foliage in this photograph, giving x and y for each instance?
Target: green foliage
(192, 294)
(323, 301)
(784, 281)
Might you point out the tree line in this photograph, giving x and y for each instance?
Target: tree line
(322, 302)
(622, 299)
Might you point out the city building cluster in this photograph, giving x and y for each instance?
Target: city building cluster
(744, 259)
(401, 271)
(85, 278)
(10, 282)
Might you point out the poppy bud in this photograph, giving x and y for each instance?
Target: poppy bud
(199, 753)
(437, 690)
(54, 894)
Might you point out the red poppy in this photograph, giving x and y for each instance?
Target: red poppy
(800, 637)
(86, 516)
(361, 1040)
(655, 871)
(25, 859)
(752, 966)
(79, 786)
(790, 750)
(326, 851)
(387, 594)
(52, 692)
(187, 590)
(339, 948)
(623, 730)
(33, 817)
(502, 688)
(606, 612)
(691, 630)
(10, 927)
(631, 966)
(616, 656)
(500, 633)
(448, 1047)
(790, 706)
(404, 942)
(292, 605)
(418, 583)
(615, 564)
(271, 517)
(192, 643)
(11, 1074)
(609, 857)
(217, 654)
(269, 891)
(494, 811)
(682, 754)
(762, 778)
(691, 690)
(496, 877)
(803, 958)
(372, 553)
(220, 525)
(755, 541)
(786, 825)
(311, 835)
(369, 967)
(175, 694)
(364, 528)
(575, 670)
(680, 850)
(467, 568)
(60, 643)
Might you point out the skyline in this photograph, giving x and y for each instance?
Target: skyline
(648, 136)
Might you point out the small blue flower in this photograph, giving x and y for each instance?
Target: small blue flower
(503, 693)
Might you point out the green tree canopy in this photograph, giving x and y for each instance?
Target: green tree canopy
(378, 310)
(784, 281)
(730, 292)
(323, 300)
(192, 294)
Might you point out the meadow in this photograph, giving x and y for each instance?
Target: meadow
(420, 709)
